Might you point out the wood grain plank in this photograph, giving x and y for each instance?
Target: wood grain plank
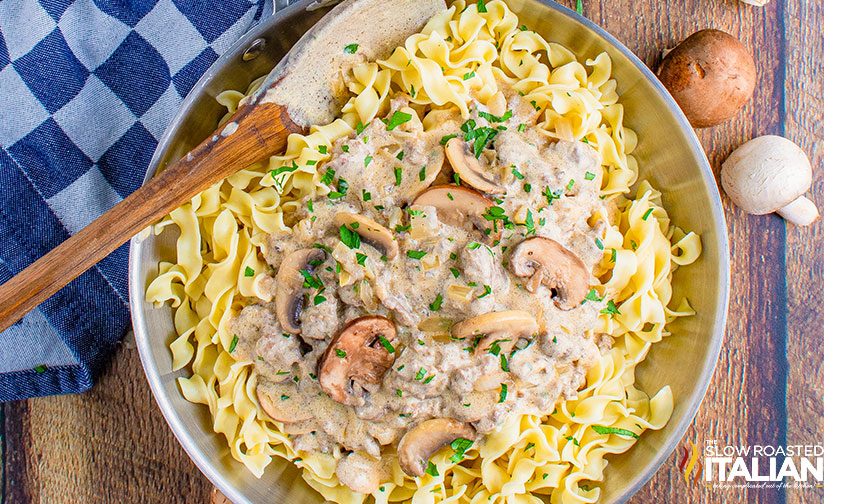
(803, 105)
(105, 446)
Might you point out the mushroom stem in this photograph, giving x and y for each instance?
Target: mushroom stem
(800, 211)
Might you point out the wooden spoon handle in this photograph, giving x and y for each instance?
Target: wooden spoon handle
(261, 130)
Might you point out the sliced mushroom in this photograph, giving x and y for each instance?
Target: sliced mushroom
(469, 168)
(547, 262)
(503, 328)
(426, 438)
(357, 356)
(289, 288)
(370, 231)
(283, 402)
(456, 205)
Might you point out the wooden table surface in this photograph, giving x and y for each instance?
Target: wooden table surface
(112, 444)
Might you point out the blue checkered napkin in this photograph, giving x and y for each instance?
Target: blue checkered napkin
(86, 89)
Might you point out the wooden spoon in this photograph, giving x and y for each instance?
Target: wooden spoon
(304, 89)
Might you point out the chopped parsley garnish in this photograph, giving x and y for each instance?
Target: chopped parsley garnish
(550, 195)
(589, 175)
(528, 187)
(248, 272)
(386, 344)
(445, 138)
(504, 364)
(328, 177)
(599, 243)
(400, 156)
(495, 214)
(518, 174)
(311, 281)
(284, 397)
(351, 48)
(455, 272)
(420, 374)
(282, 373)
(614, 430)
(401, 228)
(456, 178)
(529, 223)
(469, 75)
(585, 140)
(579, 7)
(340, 353)
(573, 440)
(429, 379)
(486, 291)
(319, 299)
(367, 196)
(397, 119)
(611, 309)
(614, 255)
(493, 118)
(647, 213)
(592, 296)
(535, 105)
(481, 136)
(398, 175)
(460, 446)
(361, 259)
(437, 303)
(503, 393)
(431, 469)
(416, 254)
(450, 196)
(342, 190)
(349, 237)
(344, 148)
(570, 185)
(322, 246)
(399, 392)
(495, 347)
(367, 160)
(473, 246)
(523, 27)
(233, 344)
(423, 173)
(522, 127)
(323, 149)
(529, 445)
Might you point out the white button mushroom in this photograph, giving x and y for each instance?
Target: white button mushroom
(770, 174)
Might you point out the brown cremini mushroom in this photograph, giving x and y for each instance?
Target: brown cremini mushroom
(547, 262)
(359, 355)
(289, 287)
(469, 168)
(711, 75)
(770, 174)
(370, 231)
(502, 327)
(457, 205)
(427, 438)
(283, 403)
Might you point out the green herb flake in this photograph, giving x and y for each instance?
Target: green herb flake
(460, 446)
(599, 243)
(284, 397)
(420, 374)
(611, 309)
(437, 303)
(351, 48)
(340, 353)
(349, 237)
(592, 296)
(386, 344)
(319, 299)
(473, 246)
(361, 259)
(573, 440)
(416, 254)
(589, 175)
(423, 173)
(528, 188)
(323, 149)
(344, 148)
(367, 160)
(614, 430)
(429, 379)
(647, 213)
(570, 185)
(504, 364)
(233, 344)
(517, 174)
(398, 175)
(503, 393)
(40, 369)
(495, 119)
(544, 476)
(399, 392)
(431, 469)
(400, 156)
(486, 291)
(445, 139)
(455, 272)
(614, 255)
(529, 446)
(522, 127)
(397, 119)
(367, 196)
(248, 272)
(579, 7)
(469, 75)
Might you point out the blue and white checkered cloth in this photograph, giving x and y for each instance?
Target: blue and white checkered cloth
(86, 89)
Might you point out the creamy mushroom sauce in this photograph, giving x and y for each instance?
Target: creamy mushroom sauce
(433, 375)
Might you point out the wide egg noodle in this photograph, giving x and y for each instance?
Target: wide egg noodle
(460, 56)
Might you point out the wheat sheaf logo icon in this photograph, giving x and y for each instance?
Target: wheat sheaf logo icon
(688, 463)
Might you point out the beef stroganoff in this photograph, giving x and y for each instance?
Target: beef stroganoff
(443, 294)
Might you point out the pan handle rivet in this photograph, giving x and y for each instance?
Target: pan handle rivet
(254, 49)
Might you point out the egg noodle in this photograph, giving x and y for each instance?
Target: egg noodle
(459, 58)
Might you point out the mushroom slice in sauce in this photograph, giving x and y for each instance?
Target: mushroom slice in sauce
(373, 233)
(283, 403)
(503, 327)
(362, 352)
(469, 168)
(456, 205)
(547, 262)
(426, 438)
(289, 287)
